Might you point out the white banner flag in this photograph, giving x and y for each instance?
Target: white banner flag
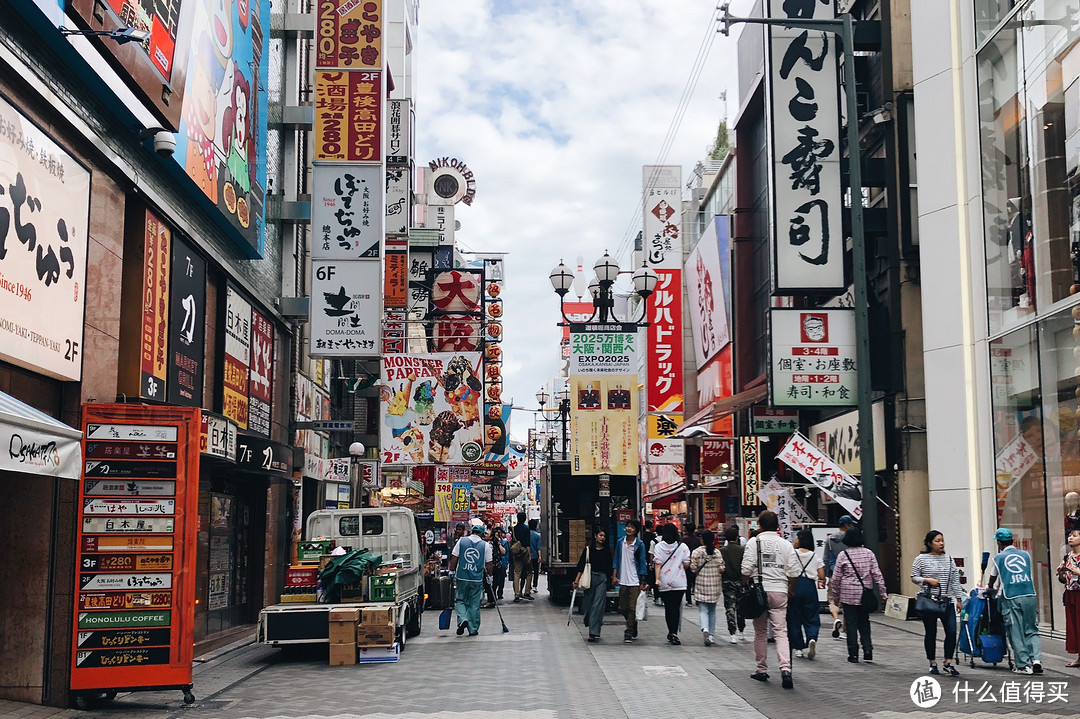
(801, 455)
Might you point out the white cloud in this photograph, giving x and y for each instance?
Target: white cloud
(555, 106)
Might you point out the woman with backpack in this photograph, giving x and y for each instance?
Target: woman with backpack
(671, 558)
(707, 565)
(732, 552)
(936, 573)
(803, 619)
(855, 577)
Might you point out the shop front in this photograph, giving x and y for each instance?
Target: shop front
(41, 457)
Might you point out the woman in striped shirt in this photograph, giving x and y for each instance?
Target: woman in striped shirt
(937, 571)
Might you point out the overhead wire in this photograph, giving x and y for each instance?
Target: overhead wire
(698, 67)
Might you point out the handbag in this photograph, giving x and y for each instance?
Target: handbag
(753, 602)
(928, 605)
(869, 600)
(586, 574)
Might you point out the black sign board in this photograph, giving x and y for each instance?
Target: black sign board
(256, 454)
(114, 468)
(126, 657)
(187, 326)
(117, 638)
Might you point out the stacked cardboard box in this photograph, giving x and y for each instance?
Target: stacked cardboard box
(376, 627)
(343, 622)
(379, 655)
(577, 539)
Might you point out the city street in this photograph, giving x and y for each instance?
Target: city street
(544, 669)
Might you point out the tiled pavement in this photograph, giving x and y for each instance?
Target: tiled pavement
(544, 669)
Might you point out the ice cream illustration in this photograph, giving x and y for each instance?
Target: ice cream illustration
(442, 435)
(463, 389)
(413, 442)
(424, 402)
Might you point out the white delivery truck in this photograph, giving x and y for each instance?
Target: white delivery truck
(387, 531)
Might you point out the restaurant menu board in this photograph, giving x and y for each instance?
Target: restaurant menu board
(138, 518)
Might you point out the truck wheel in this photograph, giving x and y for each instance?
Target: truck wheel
(415, 621)
(402, 634)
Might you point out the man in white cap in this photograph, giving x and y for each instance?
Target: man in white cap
(471, 558)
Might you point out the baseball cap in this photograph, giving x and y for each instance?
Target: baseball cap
(846, 519)
(478, 528)
(1004, 534)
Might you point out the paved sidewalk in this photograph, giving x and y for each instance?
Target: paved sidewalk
(544, 669)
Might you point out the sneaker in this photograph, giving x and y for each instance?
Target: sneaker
(867, 656)
(934, 669)
(853, 659)
(950, 670)
(528, 596)
(517, 599)
(742, 635)
(1023, 670)
(786, 680)
(634, 635)
(734, 639)
(461, 628)
(489, 605)
(673, 639)
(710, 641)
(836, 628)
(811, 649)
(760, 676)
(593, 638)
(771, 640)
(843, 635)
(627, 639)
(1036, 668)
(799, 654)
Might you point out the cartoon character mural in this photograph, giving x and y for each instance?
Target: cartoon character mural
(222, 135)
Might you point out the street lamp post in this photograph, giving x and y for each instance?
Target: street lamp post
(603, 298)
(564, 416)
(844, 27)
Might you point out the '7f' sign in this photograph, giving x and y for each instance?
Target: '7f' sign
(804, 113)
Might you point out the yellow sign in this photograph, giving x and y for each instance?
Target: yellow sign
(442, 501)
(664, 426)
(603, 421)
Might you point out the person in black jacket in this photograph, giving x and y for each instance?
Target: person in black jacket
(602, 571)
(519, 556)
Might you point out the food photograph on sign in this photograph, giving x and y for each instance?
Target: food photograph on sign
(431, 408)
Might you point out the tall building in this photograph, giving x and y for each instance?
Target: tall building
(996, 90)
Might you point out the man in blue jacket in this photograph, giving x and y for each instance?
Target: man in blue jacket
(470, 560)
(534, 551)
(1019, 606)
(630, 576)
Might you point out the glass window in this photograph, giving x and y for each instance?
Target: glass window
(1019, 436)
(1010, 260)
(988, 13)
(373, 525)
(1051, 68)
(349, 526)
(1059, 341)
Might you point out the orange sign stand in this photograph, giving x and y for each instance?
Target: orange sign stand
(135, 577)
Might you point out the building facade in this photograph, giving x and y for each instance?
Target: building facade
(997, 129)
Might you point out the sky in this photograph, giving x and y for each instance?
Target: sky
(556, 106)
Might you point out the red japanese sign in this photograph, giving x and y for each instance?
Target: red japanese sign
(261, 373)
(396, 279)
(456, 291)
(349, 34)
(348, 115)
(665, 372)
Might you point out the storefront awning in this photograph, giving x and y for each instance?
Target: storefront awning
(35, 443)
(723, 407)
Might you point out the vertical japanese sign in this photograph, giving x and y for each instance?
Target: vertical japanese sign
(345, 308)
(750, 461)
(805, 151)
(661, 233)
(706, 293)
(457, 322)
(603, 424)
(138, 518)
(665, 367)
(261, 374)
(349, 34)
(153, 350)
(398, 167)
(396, 279)
(187, 326)
(812, 358)
(47, 196)
(399, 132)
(347, 212)
(234, 404)
(348, 116)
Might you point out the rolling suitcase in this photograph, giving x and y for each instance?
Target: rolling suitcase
(445, 591)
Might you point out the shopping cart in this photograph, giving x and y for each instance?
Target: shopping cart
(982, 633)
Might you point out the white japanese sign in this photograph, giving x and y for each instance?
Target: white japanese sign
(603, 349)
(1016, 458)
(346, 308)
(812, 362)
(662, 227)
(801, 455)
(45, 207)
(347, 211)
(803, 111)
(705, 295)
(666, 451)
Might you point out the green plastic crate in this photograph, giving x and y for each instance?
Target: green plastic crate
(382, 588)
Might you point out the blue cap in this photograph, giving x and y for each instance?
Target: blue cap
(478, 528)
(1003, 535)
(846, 519)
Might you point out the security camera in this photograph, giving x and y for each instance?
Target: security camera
(164, 143)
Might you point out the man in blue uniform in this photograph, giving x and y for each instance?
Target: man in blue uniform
(1011, 567)
(471, 558)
